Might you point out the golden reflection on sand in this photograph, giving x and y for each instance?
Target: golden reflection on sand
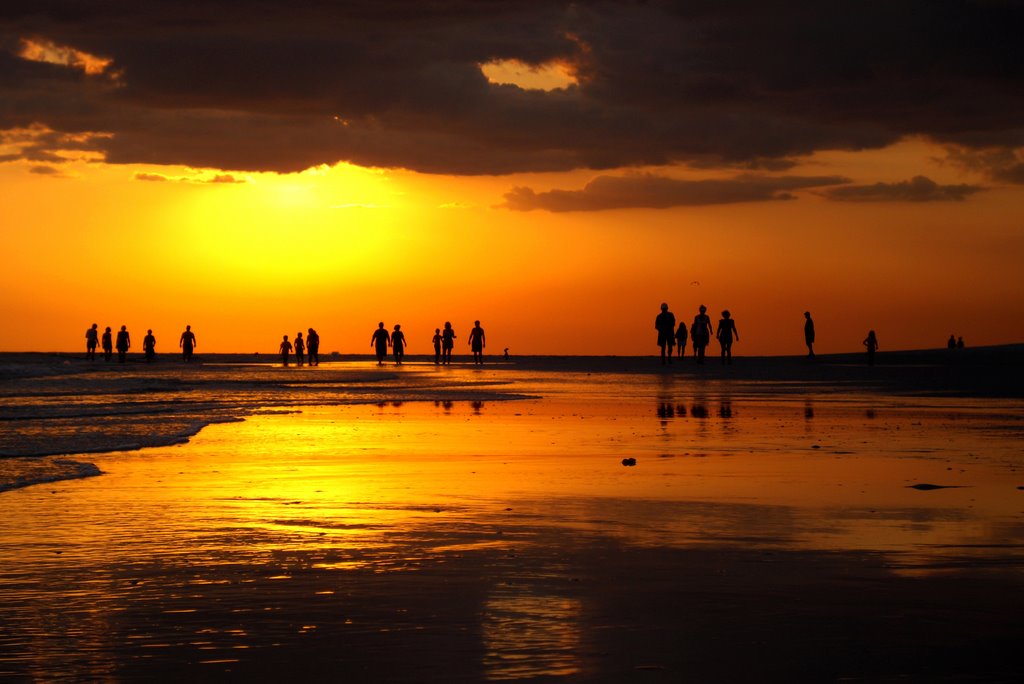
(278, 511)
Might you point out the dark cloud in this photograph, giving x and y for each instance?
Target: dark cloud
(281, 87)
(917, 189)
(1001, 164)
(45, 171)
(650, 191)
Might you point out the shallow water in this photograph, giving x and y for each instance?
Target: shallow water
(468, 530)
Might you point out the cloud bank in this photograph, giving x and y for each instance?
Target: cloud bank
(283, 87)
(917, 189)
(650, 191)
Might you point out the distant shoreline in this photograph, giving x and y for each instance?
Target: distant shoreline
(995, 371)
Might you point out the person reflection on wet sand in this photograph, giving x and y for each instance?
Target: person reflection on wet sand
(666, 411)
(699, 411)
(92, 338)
(285, 349)
(725, 409)
(447, 406)
(477, 407)
(108, 344)
(124, 343)
(380, 341)
(808, 411)
(149, 346)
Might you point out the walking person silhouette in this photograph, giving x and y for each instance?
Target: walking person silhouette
(701, 332)
(124, 343)
(300, 348)
(809, 334)
(871, 342)
(108, 344)
(149, 346)
(725, 334)
(187, 342)
(398, 344)
(447, 343)
(313, 347)
(665, 324)
(477, 342)
(380, 341)
(437, 346)
(285, 349)
(681, 336)
(92, 338)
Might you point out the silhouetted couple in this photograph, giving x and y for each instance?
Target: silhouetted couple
(381, 340)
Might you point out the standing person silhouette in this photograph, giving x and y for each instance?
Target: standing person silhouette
(108, 344)
(313, 347)
(187, 342)
(398, 344)
(447, 343)
(124, 343)
(871, 342)
(149, 346)
(951, 342)
(960, 343)
(380, 341)
(665, 324)
(701, 332)
(437, 346)
(725, 334)
(477, 342)
(285, 349)
(681, 336)
(300, 348)
(92, 338)
(809, 334)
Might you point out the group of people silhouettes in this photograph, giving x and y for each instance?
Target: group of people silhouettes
(699, 333)
(955, 342)
(443, 341)
(123, 342)
(303, 348)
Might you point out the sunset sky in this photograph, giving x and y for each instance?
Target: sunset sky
(556, 170)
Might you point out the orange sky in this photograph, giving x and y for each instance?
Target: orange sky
(556, 172)
(340, 248)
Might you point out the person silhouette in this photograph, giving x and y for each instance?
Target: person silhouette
(108, 344)
(380, 341)
(506, 354)
(437, 346)
(959, 343)
(809, 334)
(124, 343)
(681, 336)
(951, 342)
(871, 342)
(285, 349)
(313, 347)
(149, 346)
(665, 324)
(300, 348)
(398, 344)
(447, 343)
(187, 342)
(701, 332)
(477, 342)
(92, 338)
(725, 334)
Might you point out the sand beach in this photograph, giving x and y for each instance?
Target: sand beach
(782, 520)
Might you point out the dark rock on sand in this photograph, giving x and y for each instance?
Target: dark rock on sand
(629, 461)
(928, 487)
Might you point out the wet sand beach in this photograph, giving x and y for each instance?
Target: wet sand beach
(784, 520)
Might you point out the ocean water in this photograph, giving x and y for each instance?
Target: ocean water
(212, 520)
